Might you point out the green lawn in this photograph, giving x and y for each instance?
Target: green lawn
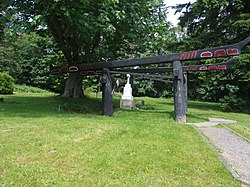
(44, 141)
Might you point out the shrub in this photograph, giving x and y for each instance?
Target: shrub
(6, 83)
(26, 89)
(233, 104)
(89, 90)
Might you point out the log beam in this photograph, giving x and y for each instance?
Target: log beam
(179, 96)
(107, 103)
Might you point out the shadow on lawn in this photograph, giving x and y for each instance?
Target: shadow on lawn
(198, 105)
(170, 114)
(41, 106)
(204, 106)
(49, 105)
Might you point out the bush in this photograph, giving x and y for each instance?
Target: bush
(89, 90)
(6, 83)
(232, 103)
(26, 89)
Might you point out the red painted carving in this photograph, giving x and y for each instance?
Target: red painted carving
(189, 68)
(83, 67)
(91, 73)
(183, 56)
(220, 52)
(222, 67)
(203, 68)
(55, 71)
(86, 66)
(206, 54)
(64, 70)
(188, 55)
(213, 68)
(233, 52)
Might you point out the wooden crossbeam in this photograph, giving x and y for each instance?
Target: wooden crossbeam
(142, 74)
(152, 77)
(228, 50)
(209, 67)
(205, 67)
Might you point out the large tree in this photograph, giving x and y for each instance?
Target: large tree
(213, 23)
(27, 58)
(90, 30)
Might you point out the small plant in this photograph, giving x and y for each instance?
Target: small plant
(6, 83)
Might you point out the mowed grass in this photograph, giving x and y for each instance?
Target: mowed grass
(201, 111)
(44, 142)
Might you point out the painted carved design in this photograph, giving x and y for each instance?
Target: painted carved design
(188, 55)
(229, 50)
(220, 53)
(73, 69)
(206, 54)
(233, 51)
(86, 67)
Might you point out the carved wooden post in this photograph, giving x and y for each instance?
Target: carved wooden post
(185, 87)
(107, 104)
(179, 96)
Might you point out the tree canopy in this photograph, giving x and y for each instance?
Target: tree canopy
(88, 31)
(92, 31)
(214, 23)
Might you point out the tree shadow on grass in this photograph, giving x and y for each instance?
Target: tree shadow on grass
(204, 105)
(198, 105)
(196, 118)
(41, 106)
(169, 114)
(49, 105)
(37, 105)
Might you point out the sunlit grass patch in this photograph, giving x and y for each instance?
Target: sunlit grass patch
(42, 145)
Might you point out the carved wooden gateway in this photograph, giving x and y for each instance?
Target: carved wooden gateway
(178, 77)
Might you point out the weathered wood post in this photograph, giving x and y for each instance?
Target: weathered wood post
(179, 95)
(185, 87)
(106, 81)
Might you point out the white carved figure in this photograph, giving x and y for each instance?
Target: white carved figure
(127, 90)
(128, 77)
(127, 100)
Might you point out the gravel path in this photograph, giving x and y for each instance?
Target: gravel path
(233, 149)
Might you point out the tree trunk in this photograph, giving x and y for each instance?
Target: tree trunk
(73, 87)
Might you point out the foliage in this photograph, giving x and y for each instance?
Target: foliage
(97, 29)
(27, 57)
(6, 83)
(144, 88)
(92, 82)
(151, 88)
(28, 89)
(93, 31)
(217, 23)
(42, 145)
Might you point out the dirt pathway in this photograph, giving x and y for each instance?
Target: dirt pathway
(233, 149)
